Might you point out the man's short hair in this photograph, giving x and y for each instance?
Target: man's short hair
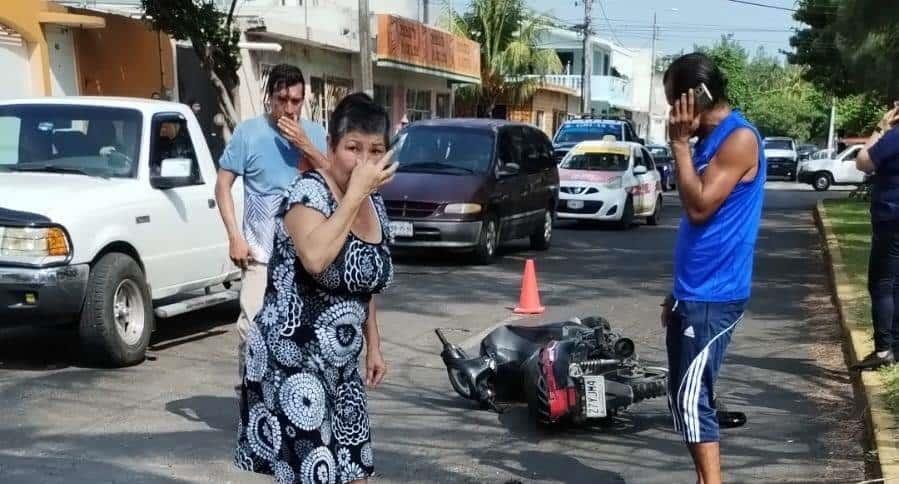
(283, 76)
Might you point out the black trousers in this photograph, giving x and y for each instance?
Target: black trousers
(883, 285)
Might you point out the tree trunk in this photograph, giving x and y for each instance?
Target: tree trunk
(226, 98)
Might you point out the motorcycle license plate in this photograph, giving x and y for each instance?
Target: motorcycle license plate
(402, 229)
(595, 396)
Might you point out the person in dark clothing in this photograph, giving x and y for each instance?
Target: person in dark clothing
(880, 156)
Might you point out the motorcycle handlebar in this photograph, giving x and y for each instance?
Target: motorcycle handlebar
(442, 338)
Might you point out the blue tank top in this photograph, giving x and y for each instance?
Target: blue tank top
(713, 261)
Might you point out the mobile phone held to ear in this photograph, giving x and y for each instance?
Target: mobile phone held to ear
(390, 158)
(703, 97)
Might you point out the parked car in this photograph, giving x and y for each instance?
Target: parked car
(664, 161)
(610, 180)
(783, 160)
(805, 151)
(839, 170)
(108, 219)
(574, 131)
(472, 184)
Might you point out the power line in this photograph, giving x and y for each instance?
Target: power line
(602, 8)
(775, 7)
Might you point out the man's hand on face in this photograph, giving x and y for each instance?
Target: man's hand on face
(684, 119)
(291, 129)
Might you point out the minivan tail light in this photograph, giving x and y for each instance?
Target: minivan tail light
(462, 209)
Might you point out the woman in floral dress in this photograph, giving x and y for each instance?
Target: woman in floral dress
(303, 411)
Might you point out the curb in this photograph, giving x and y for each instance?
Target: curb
(880, 422)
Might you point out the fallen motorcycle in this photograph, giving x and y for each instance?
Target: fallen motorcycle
(575, 370)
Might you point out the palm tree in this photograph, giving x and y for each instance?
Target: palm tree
(509, 35)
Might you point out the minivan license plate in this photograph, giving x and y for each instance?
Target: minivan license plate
(402, 229)
(575, 204)
(595, 396)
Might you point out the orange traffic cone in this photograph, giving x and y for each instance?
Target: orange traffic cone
(529, 301)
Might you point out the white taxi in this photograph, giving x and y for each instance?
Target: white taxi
(609, 181)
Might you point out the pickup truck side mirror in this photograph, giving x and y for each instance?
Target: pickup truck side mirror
(509, 169)
(173, 173)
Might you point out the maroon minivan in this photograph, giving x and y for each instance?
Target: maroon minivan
(472, 184)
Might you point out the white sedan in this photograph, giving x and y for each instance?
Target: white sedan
(609, 181)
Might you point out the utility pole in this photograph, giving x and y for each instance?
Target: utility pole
(587, 73)
(831, 142)
(365, 48)
(652, 75)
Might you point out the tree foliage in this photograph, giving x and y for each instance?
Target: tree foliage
(509, 35)
(849, 47)
(213, 40)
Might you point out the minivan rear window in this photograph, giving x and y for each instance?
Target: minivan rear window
(442, 149)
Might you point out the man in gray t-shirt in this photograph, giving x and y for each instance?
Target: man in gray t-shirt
(268, 151)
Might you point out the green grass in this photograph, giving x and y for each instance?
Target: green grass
(852, 227)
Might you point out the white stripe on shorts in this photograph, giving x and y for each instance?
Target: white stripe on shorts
(692, 383)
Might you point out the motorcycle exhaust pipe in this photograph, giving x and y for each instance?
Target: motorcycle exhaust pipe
(598, 365)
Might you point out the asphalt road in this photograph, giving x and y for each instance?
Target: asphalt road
(173, 418)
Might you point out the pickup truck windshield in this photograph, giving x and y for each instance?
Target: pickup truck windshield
(66, 138)
(778, 144)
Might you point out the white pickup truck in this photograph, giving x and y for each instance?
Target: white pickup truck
(838, 170)
(108, 219)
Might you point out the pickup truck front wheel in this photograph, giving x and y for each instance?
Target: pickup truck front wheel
(117, 317)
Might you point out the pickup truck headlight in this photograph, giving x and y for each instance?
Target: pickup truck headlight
(34, 245)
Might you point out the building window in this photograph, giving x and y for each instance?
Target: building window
(443, 106)
(337, 89)
(418, 105)
(384, 98)
(540, 120)
(316, 101)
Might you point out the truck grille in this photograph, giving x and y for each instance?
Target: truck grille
(407, 209)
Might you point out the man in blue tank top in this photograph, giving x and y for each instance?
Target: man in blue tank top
(721, 187)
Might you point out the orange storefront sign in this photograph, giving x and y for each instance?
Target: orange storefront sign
(413, 43)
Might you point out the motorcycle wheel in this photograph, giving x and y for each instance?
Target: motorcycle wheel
(536, 392)
(647, 382)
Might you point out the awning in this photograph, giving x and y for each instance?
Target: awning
(72, 20)
(395, 64)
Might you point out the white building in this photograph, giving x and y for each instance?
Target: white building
(651, 120)
(610, 85)
(414, 65)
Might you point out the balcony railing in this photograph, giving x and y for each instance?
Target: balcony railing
(608, 89)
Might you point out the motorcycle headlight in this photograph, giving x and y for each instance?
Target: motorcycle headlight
(34, 245)
(615, 183)
(462, 209)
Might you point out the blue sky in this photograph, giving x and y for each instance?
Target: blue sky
(694, 22)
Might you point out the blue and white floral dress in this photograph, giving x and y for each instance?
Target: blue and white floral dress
(303, 408)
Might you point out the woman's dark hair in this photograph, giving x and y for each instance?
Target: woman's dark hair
(688, 71)
(358, 112)
(282, 76)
